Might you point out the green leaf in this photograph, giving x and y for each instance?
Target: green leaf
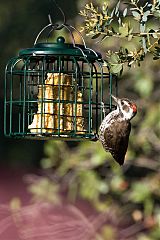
(156, 13)
(142, 28)
(119, 21)
(117, 8)
(130, 37)
(125, 12)
(144, 19)
(116, 68)
(136, 15)
(112, 13)
(114, 58)
(123, 31)
(146, 14)
(130, 31)
(113, 30)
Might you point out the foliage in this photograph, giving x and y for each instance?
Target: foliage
(126, 21)
(89, 173)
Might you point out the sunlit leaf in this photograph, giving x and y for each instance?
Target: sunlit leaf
(123, 31)
(117, 8)
(142, 28)
(130, 37)
(125, 12)
(114, 58)
(119, 21)
(116, 68)
(136, 15)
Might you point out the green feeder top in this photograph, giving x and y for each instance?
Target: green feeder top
(60, 48)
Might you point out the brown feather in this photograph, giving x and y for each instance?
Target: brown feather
(116, 139)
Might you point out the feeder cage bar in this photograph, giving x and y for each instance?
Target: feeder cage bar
(56, 90)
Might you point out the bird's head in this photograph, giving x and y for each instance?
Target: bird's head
(126, 107)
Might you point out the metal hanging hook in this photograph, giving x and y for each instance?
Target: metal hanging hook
(68, 27)
(51, 24)
(57, 26)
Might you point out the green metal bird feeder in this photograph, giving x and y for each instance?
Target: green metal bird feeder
(56, 90)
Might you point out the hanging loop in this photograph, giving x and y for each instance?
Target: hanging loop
(58, 27)
(68, 27)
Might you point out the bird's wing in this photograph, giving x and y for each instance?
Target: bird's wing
(116, 140)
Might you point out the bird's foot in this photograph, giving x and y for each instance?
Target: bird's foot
(103, 109)
(96, 137)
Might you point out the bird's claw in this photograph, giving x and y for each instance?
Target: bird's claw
(103, 108)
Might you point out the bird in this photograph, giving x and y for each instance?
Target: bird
(115, 128)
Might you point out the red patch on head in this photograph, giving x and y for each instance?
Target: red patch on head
(134, 107)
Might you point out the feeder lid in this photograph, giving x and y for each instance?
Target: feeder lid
(60, 48)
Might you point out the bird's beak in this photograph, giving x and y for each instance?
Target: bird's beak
(115, 98)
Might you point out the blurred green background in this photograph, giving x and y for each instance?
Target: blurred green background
(83, 170)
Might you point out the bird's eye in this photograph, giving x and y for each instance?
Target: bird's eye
(122, 103)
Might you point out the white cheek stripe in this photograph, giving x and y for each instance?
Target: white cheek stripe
(127, 115)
